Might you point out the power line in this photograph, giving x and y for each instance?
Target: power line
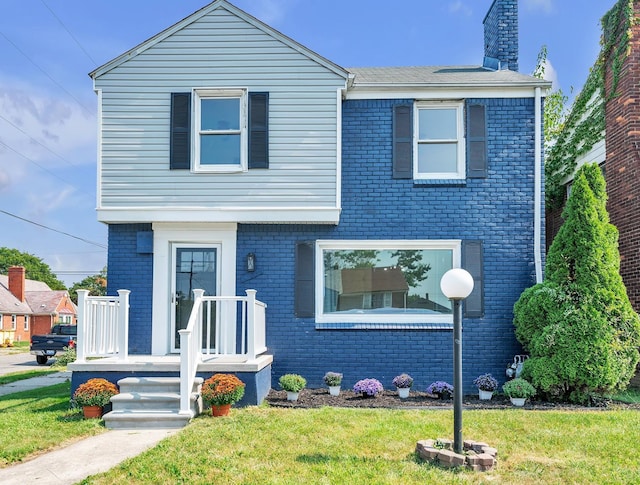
(46, 74)
(38, 142)
(43, 168)
(69, 32)
(54, 230)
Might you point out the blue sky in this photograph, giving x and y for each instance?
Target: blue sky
(48, 107)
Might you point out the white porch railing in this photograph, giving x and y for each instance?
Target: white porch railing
(103, 326)
(214, 325)
(221, 325)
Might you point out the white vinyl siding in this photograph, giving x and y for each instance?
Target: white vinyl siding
(219, 51)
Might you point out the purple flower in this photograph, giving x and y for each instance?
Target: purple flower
(443, 389)
(368, 387)
(486, 382)
(402, 381)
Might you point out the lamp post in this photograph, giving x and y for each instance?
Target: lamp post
(457, 284)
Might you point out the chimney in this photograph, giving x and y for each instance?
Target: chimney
(16, 281)
(501, 36)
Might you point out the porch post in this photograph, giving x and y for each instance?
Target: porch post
(123, 325)
(82, 321)
(251, 324)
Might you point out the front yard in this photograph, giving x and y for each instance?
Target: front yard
(336, 445)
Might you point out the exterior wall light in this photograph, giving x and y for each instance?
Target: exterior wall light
(251, 262)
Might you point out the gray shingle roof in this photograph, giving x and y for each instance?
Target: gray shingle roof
(440, 75)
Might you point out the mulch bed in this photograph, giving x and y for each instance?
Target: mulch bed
(316, 398)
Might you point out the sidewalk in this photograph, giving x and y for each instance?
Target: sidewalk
(35, 383)
(72, 464)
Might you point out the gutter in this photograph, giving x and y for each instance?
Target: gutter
(537, 216)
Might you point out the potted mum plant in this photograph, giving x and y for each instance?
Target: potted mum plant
(368, 387)
(220, 391)
(440, 389)
(333, 380)
(93, 395)
(519, 390)
(403, 384)
(486, 384)
(293, 384)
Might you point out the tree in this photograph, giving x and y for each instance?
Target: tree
(554, 105)
(35, 268)
(96, 284)
(578, 326)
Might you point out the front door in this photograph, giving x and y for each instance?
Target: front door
(194, 268)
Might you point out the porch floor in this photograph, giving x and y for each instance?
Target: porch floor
(171, 363)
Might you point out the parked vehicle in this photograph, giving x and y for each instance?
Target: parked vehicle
(45, 346)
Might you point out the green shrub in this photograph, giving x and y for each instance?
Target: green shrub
(578, 326)
(66, 357)
(519, 388)
(292, 382)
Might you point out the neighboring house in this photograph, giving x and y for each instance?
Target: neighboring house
(233, 158)
(604, 127)
(29, 307)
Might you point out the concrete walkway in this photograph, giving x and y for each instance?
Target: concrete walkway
(73, 463)
(86, 457)
(35, 383)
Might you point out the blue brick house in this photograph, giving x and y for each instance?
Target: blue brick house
(234, 159)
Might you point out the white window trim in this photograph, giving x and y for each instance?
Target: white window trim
(208, 93)
(14, 322)
(460, 172)
(454, 244)
(26, 322)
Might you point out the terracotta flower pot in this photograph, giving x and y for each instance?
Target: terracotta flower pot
(220, 410)
(91, 412)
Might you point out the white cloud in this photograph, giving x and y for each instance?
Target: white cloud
(271, 12)
(550, 74)
(544, 5)
(41, 136)
(460, 7)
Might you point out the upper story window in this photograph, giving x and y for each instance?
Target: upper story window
(220, 130)
(439, 150)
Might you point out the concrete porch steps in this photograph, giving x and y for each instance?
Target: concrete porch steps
(151, 402)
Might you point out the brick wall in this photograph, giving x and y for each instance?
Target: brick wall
(497, 210)
(623, 163)
(131, 270)
(501, 33)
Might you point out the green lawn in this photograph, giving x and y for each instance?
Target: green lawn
(261, 445)
(26, 374)
(34, 421)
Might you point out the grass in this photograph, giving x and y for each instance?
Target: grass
(25, 374)
(39, 420)
(630, 396)
(334, 446)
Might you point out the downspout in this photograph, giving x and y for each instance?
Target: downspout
(537, 222)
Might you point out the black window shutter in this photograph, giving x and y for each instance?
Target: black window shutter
(402, 141)
(476, 141)
(258, 130)
(305, 280)
(180, 144)
(472, 262)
